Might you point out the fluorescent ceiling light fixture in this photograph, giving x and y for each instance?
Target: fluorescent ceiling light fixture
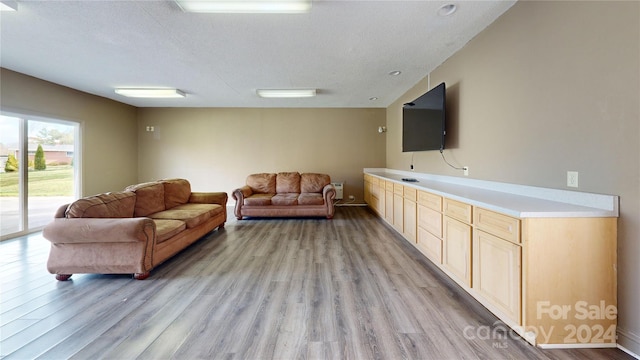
(242, 6)
(286, 93)
(7, 5)
(150, 93)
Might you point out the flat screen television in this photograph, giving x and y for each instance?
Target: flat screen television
(423, 121)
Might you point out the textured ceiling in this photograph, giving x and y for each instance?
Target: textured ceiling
(345, 49)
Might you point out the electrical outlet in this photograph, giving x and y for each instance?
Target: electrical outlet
(466, 170)
(572, 179)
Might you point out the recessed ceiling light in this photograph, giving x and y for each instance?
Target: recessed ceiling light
(373, 98)
(395, 73)
(286, 93)
(8, 5)
(254, 6)
(447, 9)
(150, 92)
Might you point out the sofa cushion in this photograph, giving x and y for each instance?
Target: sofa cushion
(166, 229)
(264, 183)
(288, 182)
(310, 199)
(213, 209)
(258, 200)
(119, 204)
(313, 183)
(149, 198)
(285, 199)
(192, 217)
(176, 192)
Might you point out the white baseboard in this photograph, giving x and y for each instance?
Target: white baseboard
(629, 343)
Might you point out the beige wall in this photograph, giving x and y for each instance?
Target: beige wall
(549, 87)
(216, 148)
(109, 138)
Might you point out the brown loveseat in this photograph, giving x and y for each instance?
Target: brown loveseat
(131, 231)
(286, 194)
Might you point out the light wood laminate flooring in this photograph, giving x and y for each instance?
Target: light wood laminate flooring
(347, 288)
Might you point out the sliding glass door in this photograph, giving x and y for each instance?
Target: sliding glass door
(38, 171)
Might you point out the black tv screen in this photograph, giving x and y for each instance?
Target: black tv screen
(423, 121)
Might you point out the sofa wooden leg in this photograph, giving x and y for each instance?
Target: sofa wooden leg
(141, 276)
(221, 226)
(63, 277)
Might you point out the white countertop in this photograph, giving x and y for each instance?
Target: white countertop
(515, 200)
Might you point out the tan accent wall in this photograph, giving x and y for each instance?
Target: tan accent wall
(551, 86)
(109, 138)
(216, 148)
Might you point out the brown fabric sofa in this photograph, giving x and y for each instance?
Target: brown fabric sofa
(285, 194)
(131, 231)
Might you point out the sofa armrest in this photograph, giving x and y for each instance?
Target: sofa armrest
(100, 230)
(60, 213)
(219, 198)
(329, 193)
(242, 192)
(238, 195)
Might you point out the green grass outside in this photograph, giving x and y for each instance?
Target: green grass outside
(54, 181)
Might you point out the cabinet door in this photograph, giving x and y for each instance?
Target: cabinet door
(430, 220)
(381, 200)
(457, 250)
(409, 217)
(388, 205)
(367, 191)
(497, 273)
(398, 209)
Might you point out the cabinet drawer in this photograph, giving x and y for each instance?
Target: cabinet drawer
(497, 224)
(374, 180)
(430, 245)
(430, 220)
(410, 194)
(397, 188)
(457, 210)
(430, 200)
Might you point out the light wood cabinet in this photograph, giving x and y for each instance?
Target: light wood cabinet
(367, 189)
(429, 240)
(398, 208)
(409, 215)
(524, 270)
(497, 275)
(457, 210)
(503, 226)
(456, 257)
(381, 198)
(430, 245)
(430, 220)
(388, 203)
